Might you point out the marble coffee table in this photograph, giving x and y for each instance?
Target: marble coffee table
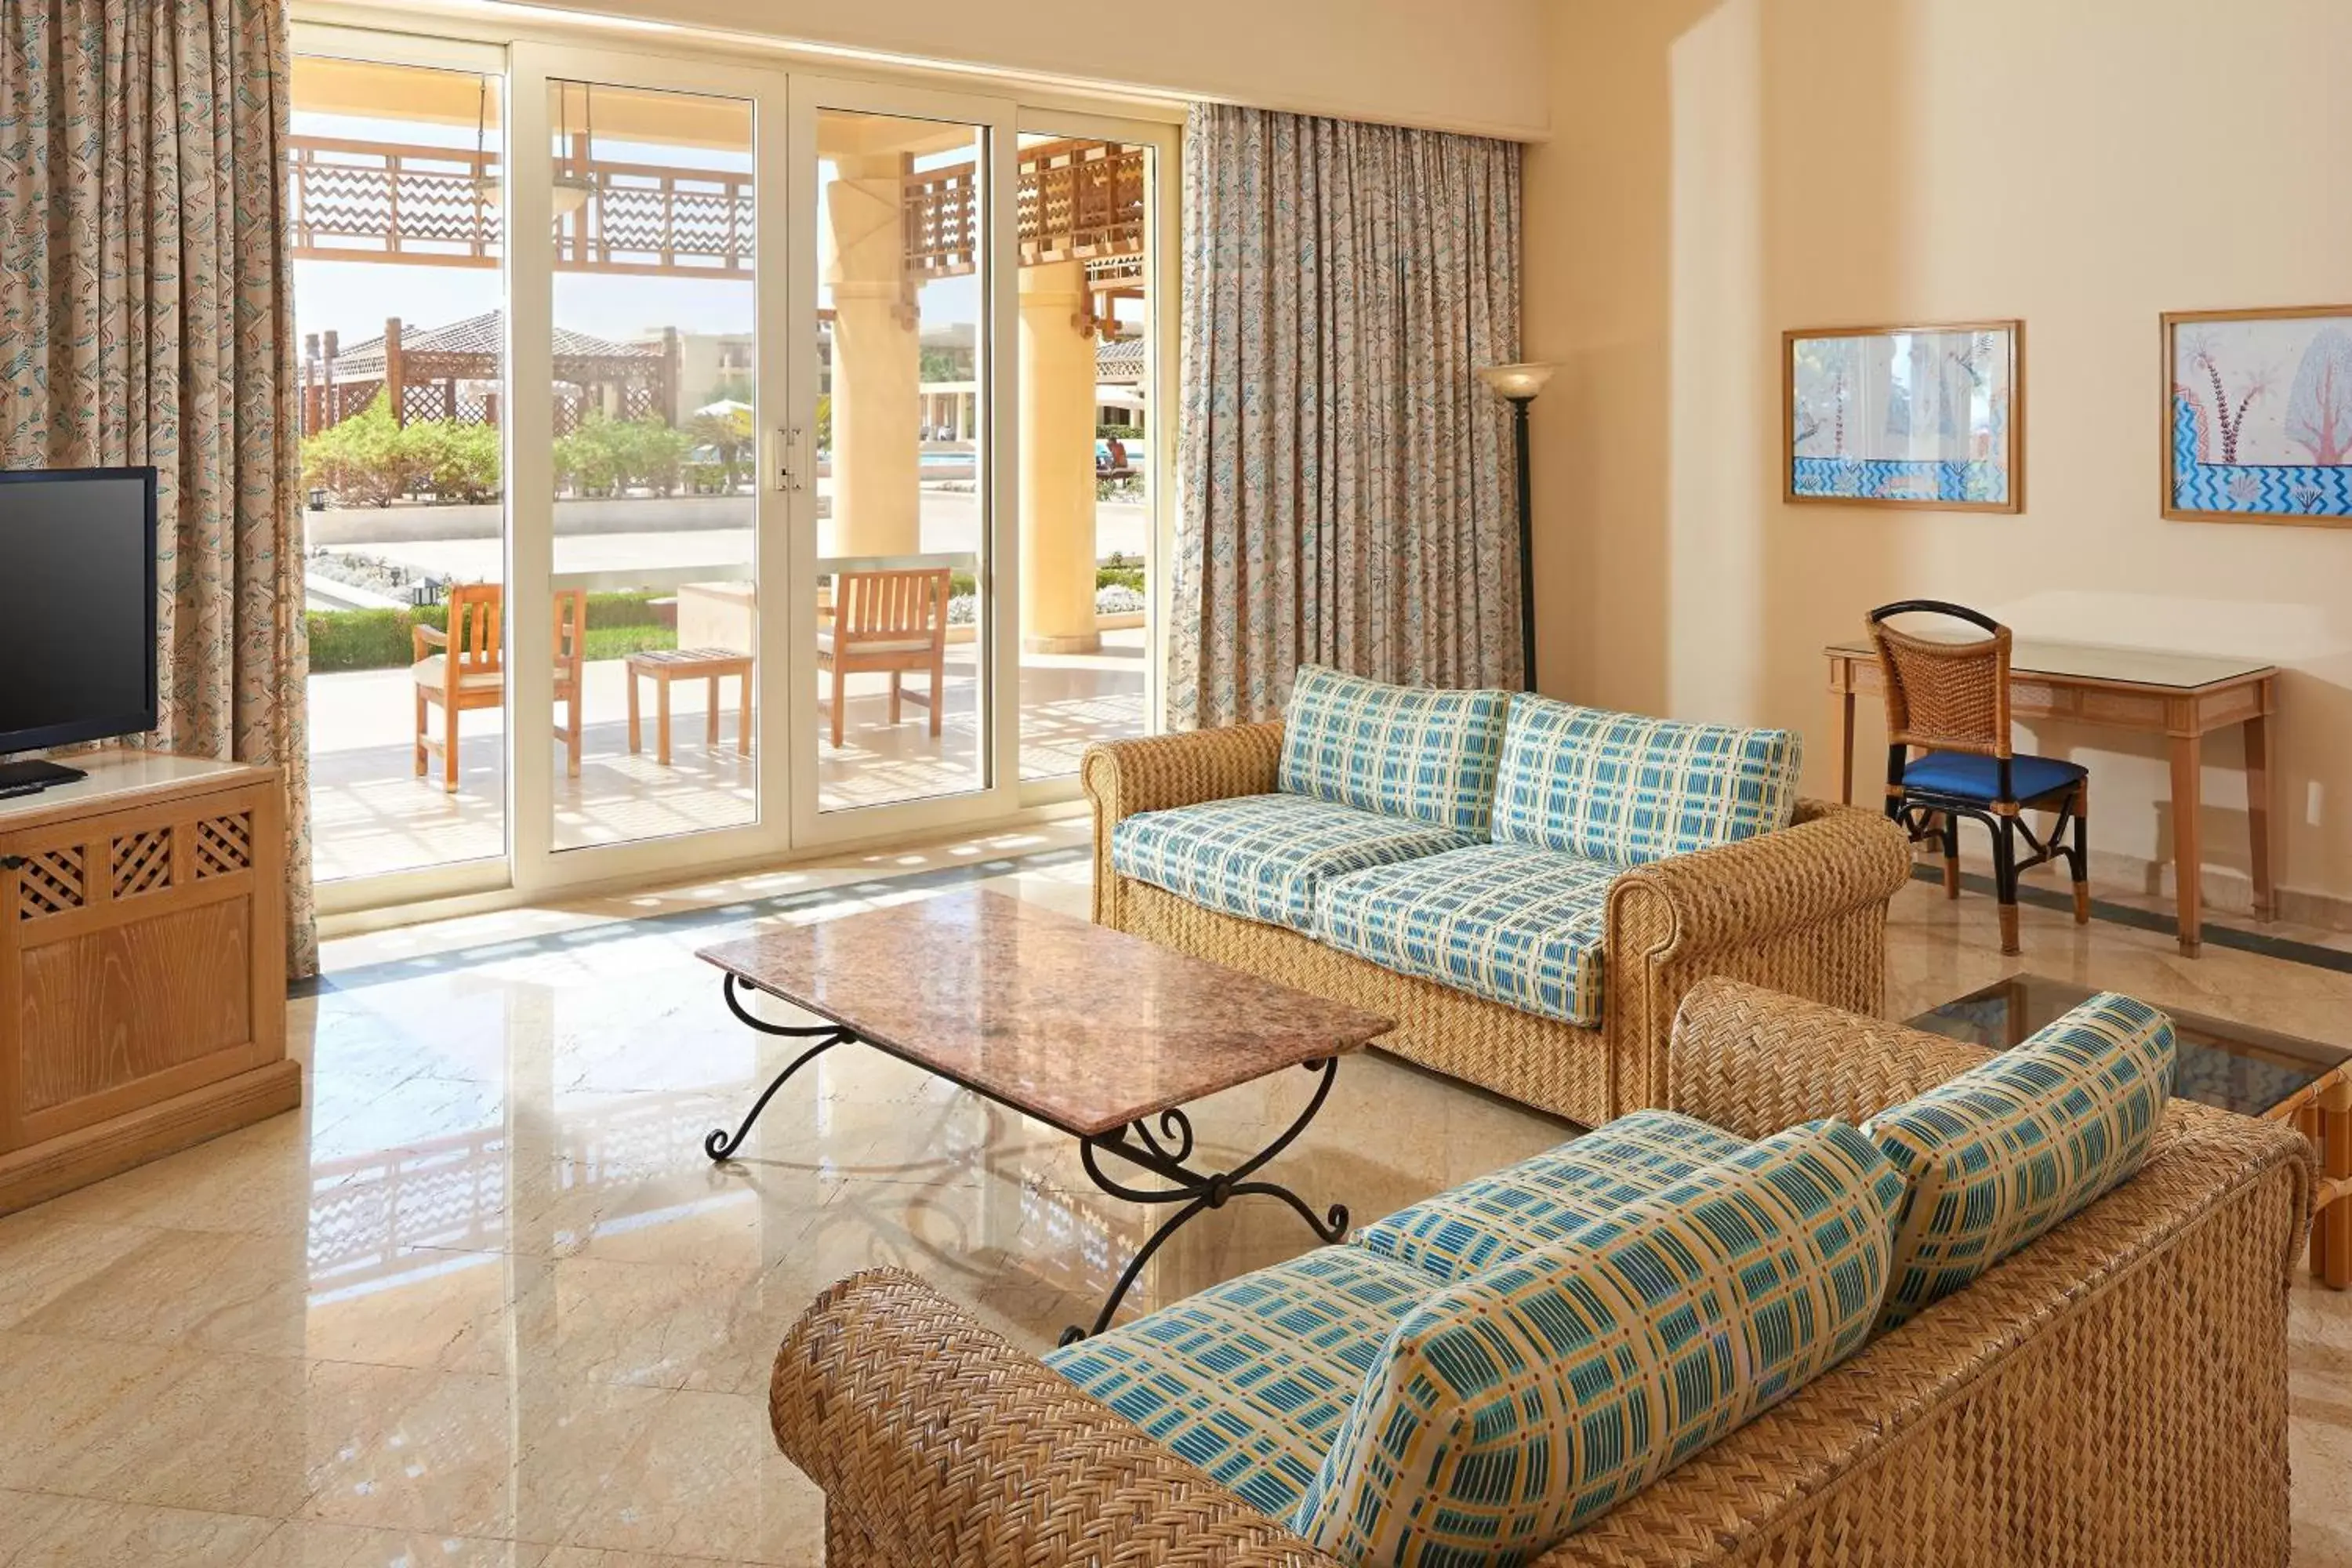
(1103, 1036)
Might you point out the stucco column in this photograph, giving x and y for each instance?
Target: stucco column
(877, 361)
(1057, 462)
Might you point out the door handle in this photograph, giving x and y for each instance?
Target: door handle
(786, 459)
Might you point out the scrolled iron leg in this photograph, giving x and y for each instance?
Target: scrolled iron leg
(1197, 1191)
(718, 1145)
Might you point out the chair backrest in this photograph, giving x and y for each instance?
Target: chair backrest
(890, 606)
(475, 643)
(1945, 695)
(571, 628)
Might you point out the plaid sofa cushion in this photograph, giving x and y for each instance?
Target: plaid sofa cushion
(1249, 1380)
(1551, 1197)
(1262, 857)
(1627, 790)
(2006, 1151)
(1519, 926)
(1402, 751)
(1517, 1405)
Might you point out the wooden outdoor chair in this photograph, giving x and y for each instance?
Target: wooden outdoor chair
(895, 621)
(469, 671)
(1951, 698)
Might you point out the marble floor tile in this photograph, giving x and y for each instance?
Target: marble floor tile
(83, 1532)
(308, 1543)
(484, 1301)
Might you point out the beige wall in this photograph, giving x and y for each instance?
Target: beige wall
(1724, 169)
(1463, 65)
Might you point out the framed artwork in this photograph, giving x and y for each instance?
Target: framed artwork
(2257, 415)
(1910, 416)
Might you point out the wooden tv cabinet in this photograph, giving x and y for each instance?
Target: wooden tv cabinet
(142, 967)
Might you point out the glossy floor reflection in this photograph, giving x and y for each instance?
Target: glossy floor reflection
(483, 1301)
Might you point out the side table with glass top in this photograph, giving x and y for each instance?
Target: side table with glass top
(2236, 1067)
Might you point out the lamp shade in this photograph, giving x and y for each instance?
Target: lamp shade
(1515, 380)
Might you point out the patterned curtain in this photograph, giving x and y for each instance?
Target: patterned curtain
(145, 317)
(1344, 478)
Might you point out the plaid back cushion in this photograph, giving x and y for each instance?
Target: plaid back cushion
(2006, 1151)
(1515, 1406)
(1627, 790)
(1402, 751)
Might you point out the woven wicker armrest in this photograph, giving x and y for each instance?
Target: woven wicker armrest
(1755, 1062)
(1831, 860)
(1156, 773)
(943, 1445)
(1802, 909)
(1123, 777)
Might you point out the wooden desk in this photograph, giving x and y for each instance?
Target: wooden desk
(2183, 696)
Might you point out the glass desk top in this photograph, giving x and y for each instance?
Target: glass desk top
(2102, 661)
(2233, 1066)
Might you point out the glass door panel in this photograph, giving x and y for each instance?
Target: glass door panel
(394, 213)
(653, 633)
(1089, 442)
(900, 456)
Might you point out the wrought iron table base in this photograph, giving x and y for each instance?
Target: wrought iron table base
(1163, 1153)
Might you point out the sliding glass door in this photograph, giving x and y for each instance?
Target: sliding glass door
(754, 427)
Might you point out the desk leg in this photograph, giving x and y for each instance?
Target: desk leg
(2188, 850)
(2331, 1228)
(2258, 815)
(1841, 724)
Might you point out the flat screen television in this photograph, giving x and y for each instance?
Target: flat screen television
(77, 613)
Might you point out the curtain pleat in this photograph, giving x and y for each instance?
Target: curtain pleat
(1344, 478)
(146, 317)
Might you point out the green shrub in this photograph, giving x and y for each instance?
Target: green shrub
(1119, 432)
(605, 456)
(1120, 577)
(371, 459)
(380, 639)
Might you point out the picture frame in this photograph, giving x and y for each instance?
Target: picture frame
(1928, 417)
(2257, 416)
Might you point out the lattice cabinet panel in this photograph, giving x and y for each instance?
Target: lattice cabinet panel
(50, 883)
(223, 845)
(140, 862)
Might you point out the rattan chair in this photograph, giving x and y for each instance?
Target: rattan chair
(1951, 698)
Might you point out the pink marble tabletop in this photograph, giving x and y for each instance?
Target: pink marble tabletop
(1080, 1027)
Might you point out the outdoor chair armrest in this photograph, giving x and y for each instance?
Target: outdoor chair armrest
(941, 1444)
(1755, 1062)
(1159, 772)
(424, 637)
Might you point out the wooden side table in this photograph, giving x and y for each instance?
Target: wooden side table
(667, 665)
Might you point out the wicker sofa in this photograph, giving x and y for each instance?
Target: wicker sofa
(2114, 1393)
(1802, 909)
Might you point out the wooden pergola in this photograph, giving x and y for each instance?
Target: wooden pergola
(429, 375)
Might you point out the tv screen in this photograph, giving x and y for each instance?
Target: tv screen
(76, 605)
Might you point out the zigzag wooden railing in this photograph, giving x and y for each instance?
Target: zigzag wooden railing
(370, 201)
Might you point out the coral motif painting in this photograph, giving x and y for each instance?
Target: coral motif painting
(1920, 417)
(2257, 415)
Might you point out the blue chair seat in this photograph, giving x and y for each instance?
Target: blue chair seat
(1964, 777)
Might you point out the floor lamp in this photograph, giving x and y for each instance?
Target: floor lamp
(1518, 383)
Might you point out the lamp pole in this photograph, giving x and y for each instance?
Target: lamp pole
(1517, 384)
(1526, 544)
